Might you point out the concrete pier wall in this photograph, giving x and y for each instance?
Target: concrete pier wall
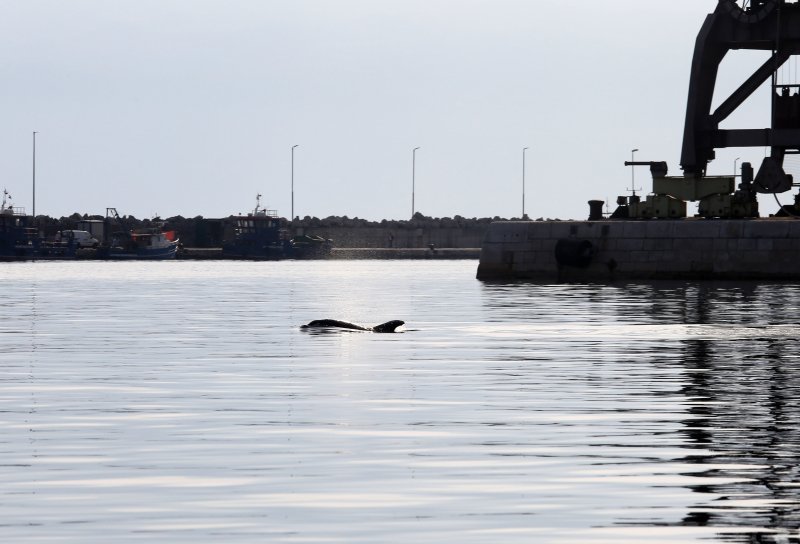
(215, 253)
(399, 237)
(654, 249)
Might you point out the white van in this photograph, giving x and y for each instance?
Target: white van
(81, 238)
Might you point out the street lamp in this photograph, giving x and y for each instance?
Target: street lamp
(413, 178)
(34, 175)
(734, 166)
(292, 217)
(523, 182)
(633, 171)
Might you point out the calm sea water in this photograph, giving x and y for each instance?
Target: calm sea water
(180, 402)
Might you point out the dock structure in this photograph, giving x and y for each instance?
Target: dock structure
(767, 249)
(650, 237)
(350, 253)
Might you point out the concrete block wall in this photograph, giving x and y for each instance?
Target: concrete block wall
(399, 238)
(648, 249)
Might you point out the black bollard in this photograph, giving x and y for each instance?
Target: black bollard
(596, 210)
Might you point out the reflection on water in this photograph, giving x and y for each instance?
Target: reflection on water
(745, 409)
(181, 402)
(736, 440)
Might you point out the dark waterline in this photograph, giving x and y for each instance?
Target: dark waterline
(180, 402)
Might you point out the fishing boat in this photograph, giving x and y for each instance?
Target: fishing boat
(257, 235)
(260, 235)
(151, 243)
(20, 240)
(143, 244)
(308, 246)
(18, 237)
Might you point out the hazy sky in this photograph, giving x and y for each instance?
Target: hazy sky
(191, 107)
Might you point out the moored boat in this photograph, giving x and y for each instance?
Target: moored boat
(261, 235)
(18, 237)
(152, 243)
(142, 244)
(258, 236)
(310, 247)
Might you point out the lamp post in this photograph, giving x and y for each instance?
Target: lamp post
(633, 171)
(34, 175)
(292, 217)
(413, 178)
(734, 166)
(523, 182)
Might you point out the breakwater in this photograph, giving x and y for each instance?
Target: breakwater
(654, 249)
(199, 232)
(400, 235)
(193, 253)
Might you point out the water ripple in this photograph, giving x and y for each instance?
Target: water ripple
(177, 402)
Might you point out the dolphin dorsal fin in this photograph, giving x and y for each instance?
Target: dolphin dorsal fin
(389, 326)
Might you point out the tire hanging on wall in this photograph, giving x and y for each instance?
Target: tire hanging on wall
(576, 253)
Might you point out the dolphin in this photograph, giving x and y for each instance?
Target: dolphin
(389, 326)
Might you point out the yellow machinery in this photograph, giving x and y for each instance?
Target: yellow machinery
(717, 196)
